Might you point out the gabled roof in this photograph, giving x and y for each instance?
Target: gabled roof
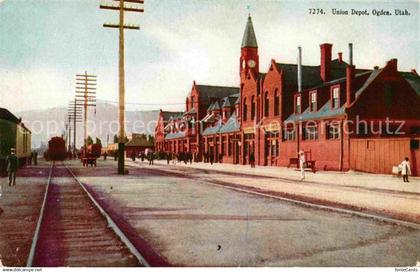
(139, 141)
(191, 111)
(209, 118)
(310, 74)
(214, 129)
(7, 115)
(216, 106)
(168, 114)
(226, 103)
(371, 78)
(175, 135)
(249, 39)
(413, 80)
(208, 93)
(232, 125)
(324, 112)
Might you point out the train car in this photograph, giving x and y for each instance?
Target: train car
(56, 149)
(13, 134)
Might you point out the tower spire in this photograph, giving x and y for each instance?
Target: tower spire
(249, 39)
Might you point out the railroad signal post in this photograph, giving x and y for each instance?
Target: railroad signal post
(121, 26)
(86, 97)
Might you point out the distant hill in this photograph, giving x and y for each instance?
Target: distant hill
(47, 123)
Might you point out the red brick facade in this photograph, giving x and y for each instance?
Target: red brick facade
(268, 117)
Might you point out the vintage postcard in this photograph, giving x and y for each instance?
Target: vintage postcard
(209, 133)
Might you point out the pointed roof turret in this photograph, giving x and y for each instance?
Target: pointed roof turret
(249, 39)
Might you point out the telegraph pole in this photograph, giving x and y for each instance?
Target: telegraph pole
(121, 26)
(75, 115)
(86, 97)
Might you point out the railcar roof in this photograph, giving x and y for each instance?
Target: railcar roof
(5, 114)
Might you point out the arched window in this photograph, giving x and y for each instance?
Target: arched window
(253, 107)
(266, 104)
(245, 110)
(192, 102)
(276, 103)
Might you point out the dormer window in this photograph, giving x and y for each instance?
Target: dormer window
(298, 104)
(313, 101)
(335, 97)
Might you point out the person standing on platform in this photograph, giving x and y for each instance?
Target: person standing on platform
(302, 162)
(405, 169)
(12, 165)
(252, 160)
(35, 158)
(168, 157)
(211, 154)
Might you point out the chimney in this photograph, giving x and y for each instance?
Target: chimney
(325, 69)
(340, 57)
(350, 54)
(299, 75)
(350, 93)
(393, 64)
(413, 71)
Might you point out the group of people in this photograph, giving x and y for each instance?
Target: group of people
(186, 157)
(150, 156)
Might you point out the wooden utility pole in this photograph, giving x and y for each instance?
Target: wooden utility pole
(86, 97)
(75, 116)
(121, 112)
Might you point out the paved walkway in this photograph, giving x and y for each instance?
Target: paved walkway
(378, 194)
(375, 181)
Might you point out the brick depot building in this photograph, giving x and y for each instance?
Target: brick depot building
(341, 116)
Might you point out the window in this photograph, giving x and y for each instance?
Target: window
(245, 110)
(192, 102)
(252, 107)
(310, 133)
(266, 104)
(335, 97)
(289, 134)
(298, 104)
(276, 103)
(230, 146)
(313, 101)
(333, 131)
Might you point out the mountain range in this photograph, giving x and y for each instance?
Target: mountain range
(102, 123)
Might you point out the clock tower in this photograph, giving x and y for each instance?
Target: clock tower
(249, 51)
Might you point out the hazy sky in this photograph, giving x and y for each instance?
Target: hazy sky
(44, 43)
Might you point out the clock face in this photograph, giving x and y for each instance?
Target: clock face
(251, 63)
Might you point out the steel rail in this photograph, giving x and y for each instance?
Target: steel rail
(381, 218)
(38, 225)
(112, 224)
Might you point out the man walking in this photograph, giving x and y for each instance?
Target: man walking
(405, 169)
(302, 164)
(12, 165)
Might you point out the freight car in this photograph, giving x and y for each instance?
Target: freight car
(13, 134)
(56, 149)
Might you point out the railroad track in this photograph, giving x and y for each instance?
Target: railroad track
(74, 230)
